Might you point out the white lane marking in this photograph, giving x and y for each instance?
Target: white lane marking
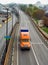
(12, 57)
(35, 55)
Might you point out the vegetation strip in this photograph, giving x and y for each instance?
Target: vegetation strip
(45, 29)
(44, 37)
(41, 31)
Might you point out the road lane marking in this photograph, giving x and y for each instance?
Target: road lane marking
(12, 56)
(35, 55)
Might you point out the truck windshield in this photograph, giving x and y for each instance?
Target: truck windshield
(25, 40)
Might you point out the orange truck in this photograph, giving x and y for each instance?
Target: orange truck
(24, 39)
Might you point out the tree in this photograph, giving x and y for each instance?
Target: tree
(38, 14)
(29, 11)
(30, 5)
(23, 7)
(45, 20)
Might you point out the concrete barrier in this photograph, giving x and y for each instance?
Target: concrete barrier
(10, 48)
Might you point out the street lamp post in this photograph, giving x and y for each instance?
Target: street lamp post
(12, 20)
(7, 30)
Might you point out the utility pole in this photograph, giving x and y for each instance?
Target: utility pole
(7, 30)
(12, 20)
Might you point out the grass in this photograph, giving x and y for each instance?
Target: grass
(45, 29)
(36, 20)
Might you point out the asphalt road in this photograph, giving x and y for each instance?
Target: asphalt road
(26, 57)
(3, 33)
(38, 55)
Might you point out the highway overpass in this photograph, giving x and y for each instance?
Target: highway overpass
(38, 54)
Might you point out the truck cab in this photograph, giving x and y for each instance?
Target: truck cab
(24, 39)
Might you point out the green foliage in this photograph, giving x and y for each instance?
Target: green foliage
(45, 29)
(35, 8)
(38, 14)
(29, 11)
(33, 11)
(30, 5)
(45, 20)
(36, 20)
(23, 7)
